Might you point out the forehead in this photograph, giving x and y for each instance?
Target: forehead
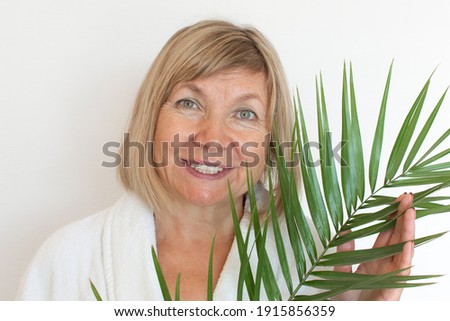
(235, 82)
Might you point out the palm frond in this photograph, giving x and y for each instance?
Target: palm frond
(314, 196)
(210, 287)
(245, 272)
(95, 291)
(423, 133)
(330, 191)
(162, 281)
(348, 286)
(356, 141)
(366, 214)
(330, 181)
(295, 219)
(178, 288)
(404, 136)
(378, 137)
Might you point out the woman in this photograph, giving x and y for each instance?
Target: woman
(202, 116)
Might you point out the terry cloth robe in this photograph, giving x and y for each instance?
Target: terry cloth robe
(113, 249)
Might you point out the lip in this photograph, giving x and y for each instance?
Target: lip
(224, 172)
(215, 164)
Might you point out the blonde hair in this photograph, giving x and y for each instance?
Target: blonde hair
(197, 51)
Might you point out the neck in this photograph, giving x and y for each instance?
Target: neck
(190, 222)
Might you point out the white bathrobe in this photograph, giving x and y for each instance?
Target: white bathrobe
(113, 249)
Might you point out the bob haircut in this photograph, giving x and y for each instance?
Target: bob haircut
(200, 50)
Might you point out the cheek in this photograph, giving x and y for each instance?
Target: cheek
(168, 127)
(171, 142)
(253, 151)
(159, 144)
(171, 125)
(164, 126)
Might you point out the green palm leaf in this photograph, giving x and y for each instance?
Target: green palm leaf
(356, 141)
(348, 169)
(162, 281)
(379, 133)
(329, 280)
(330, 179)
(265, 272)
(423, 133)
(281, 249)
(94, 290)
(363, 221)
(245, 272)
(405, 134)
(295, 219)
(366, 255)
(328, 192)
(210, 288)
(347, 286)
(314, 196)
(433, 158)
(178, 288)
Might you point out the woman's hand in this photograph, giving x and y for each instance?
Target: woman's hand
(403, 231)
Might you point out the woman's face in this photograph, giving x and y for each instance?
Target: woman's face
(206, 132)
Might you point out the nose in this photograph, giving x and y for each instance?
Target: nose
(211, 132)
(215, 141)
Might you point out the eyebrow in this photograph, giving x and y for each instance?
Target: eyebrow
(244, 96)
(192, 87)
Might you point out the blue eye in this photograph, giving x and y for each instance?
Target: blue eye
(188, 103)
(246, 114)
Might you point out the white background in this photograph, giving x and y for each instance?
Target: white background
(69, 72)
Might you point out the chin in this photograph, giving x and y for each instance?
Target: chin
(206, 200)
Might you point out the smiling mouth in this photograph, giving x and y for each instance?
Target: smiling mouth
(204, 167)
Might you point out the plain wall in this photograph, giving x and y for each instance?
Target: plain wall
(69, 72)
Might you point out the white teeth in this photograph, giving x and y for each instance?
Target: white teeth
(210, 170)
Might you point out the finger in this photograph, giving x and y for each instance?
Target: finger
(403, 231)
(394, 294)
(406, 201)
(349, 246)
(405, 227)
(374, 266)
(409, 225)
(399, 199)
(408, 235)
(406, 258)
(383, 238)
